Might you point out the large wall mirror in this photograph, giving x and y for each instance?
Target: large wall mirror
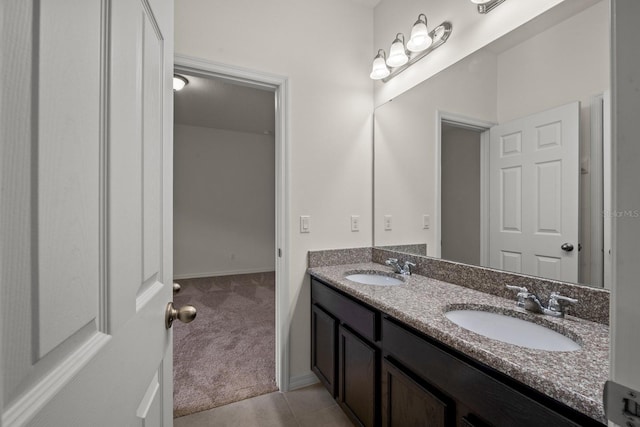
(501, 160)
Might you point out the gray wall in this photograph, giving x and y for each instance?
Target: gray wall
(460, 195)
(224, 202)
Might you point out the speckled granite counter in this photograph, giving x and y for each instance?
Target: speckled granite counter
(574, 378)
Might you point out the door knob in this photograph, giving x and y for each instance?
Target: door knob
(176, 288)
(185, 314)
(567, 247)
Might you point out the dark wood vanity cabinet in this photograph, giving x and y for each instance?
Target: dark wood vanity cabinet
(357, 384)
(391, 375)
(344, 354)
(324, 329)
(407, 402)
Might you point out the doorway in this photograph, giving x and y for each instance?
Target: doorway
(461, 201)
(233, 251)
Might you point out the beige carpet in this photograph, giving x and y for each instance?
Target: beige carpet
(227, 353)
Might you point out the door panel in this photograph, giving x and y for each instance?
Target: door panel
(67, 173)
(534, 164)
(86, 225)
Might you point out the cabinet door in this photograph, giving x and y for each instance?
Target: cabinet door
(405, 403)
(323, 347)
(357, 386)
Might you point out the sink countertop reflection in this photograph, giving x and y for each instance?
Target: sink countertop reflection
(575, 378)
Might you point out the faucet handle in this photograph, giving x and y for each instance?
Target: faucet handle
(522, 294)
(558, 303)
(517, 288)
(407, 267)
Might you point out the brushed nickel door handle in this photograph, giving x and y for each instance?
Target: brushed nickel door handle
(185, 314)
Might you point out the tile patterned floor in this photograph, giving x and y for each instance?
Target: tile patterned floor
(311, 406)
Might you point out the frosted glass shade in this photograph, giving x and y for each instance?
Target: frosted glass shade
(397, 54)
(420, 39)
(179, 82)
(379, 69)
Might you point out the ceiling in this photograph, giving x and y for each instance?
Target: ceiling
(218, 104)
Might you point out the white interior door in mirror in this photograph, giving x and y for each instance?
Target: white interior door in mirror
(534, 175)
(85, 155)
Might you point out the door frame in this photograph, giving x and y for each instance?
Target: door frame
(279, 85)
(483, 127)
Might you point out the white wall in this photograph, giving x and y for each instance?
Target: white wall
(568, 62)
(324, 48)
(471, 31)
(224, 202)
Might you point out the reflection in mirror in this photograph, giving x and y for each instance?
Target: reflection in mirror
(501, 159)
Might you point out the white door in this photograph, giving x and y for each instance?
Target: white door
(85, 219)
(534, 209)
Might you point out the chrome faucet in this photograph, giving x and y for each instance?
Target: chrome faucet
(397, 268)
(530, 302)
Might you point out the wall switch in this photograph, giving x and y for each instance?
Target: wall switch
(426, 221)
(305, 224)
(355, 222)
(387, 222)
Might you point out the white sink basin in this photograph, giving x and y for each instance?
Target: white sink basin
(512, 330)
(374, 279)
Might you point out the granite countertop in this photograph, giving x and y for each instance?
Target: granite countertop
(575, 378)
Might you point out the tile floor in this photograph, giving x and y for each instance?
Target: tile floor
(307, 407)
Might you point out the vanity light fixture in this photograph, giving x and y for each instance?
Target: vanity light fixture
(420, 38)
(380, 69)
(179, 82)
(486, 6)
(401, 56)
(397, 52)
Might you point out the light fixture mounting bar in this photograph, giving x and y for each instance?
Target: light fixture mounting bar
(488, 7)
(439, 34)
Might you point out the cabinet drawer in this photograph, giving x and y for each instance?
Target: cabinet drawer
(481, 393)
(359, 318)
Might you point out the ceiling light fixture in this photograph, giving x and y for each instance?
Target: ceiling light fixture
(486, 6)
(179, 82)
(420, 44)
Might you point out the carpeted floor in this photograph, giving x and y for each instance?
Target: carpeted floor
(227, 353)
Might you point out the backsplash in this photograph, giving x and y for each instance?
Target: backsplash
(339, 256)
(593, 303)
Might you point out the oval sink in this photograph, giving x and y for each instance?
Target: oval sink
(512, 330)
(374, 279)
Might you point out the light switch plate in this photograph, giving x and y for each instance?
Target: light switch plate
(426, 221)
(355, 222)
(621, 404)
(387, 222)
(305, 224)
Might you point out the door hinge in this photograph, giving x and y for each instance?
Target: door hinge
(621, 404)
(279, 253)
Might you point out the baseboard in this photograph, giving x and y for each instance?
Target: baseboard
(302, 380)
(222, 273)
